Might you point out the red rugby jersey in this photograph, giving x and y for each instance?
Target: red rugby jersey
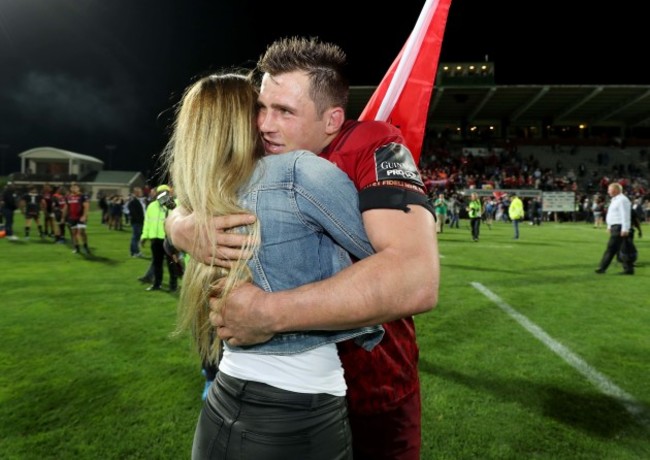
(374, 156)
(75, 203)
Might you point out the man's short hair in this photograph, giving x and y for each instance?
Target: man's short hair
(324, 62)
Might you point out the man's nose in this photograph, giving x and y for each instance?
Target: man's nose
(264, 122)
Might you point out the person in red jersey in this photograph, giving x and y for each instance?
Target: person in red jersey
(77, 207)
(302, 101)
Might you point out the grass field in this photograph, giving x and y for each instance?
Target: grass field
(529, 354)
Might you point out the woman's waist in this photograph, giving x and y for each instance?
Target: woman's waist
(315, 371)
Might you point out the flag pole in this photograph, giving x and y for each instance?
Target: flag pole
(405, 65)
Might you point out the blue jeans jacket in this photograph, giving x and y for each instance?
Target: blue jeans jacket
(310, 223)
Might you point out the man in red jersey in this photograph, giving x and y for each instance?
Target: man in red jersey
(77, 207)
(302, 103)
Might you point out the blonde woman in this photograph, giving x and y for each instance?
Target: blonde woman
(284, 398)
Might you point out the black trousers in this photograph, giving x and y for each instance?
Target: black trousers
(612, 249)
(160, 257)
(251, 420)
(475, 223)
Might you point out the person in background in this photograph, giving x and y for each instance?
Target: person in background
(639, 214)
(58, 208)
(9, 206)
(504, 205)
(619, 223)
(598, 209)
(536, 211)
(153, 231)
(137, 209)
(48, 211)
(149, 194)
(454, 211)
(31, 205)
(125, 210)
(209, 369)
(77, 209)
(440, 208)
(103, 205)
(516, 213)
(115, 212)
(475, 211)
(302, 102)
(490, 209)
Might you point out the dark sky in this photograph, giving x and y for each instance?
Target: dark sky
(82, 75)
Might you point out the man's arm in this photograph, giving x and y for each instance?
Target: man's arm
(400, 280)
(64, 211)
(86, 210)
(179, 226)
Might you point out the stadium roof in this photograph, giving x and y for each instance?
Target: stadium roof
(54, 153)
(624, 106)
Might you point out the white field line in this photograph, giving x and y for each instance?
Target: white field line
(600, 381)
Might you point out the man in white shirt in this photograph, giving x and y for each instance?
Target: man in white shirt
(619, 221)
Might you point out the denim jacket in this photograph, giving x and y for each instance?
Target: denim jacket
(310, 223)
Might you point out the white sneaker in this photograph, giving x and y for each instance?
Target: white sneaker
(13, 238)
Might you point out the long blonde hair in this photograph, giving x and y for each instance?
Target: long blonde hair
(212, 153)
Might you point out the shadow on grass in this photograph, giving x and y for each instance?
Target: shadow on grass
(45, 241)
(595, 413)
(57, 407)
(20, 242)
(92, 257)
(97, 418)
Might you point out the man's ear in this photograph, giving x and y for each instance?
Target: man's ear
(335, 118)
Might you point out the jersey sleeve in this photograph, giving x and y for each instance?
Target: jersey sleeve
(387, 174)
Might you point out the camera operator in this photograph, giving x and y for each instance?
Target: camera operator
(154, 231)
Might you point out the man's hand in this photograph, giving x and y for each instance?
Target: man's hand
(180, 227)
(242, 320)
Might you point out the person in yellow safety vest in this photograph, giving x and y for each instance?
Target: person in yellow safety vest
(475, 210)
(516, 212)
(154, 231)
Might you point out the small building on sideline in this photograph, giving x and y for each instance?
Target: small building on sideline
(49, 165)
(108, 183)
(52, 164)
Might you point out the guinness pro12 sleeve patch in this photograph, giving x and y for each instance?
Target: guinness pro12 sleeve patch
(394, 162)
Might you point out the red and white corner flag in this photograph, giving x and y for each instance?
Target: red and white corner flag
(402, 98)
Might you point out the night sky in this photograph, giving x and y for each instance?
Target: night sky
(100, 77)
